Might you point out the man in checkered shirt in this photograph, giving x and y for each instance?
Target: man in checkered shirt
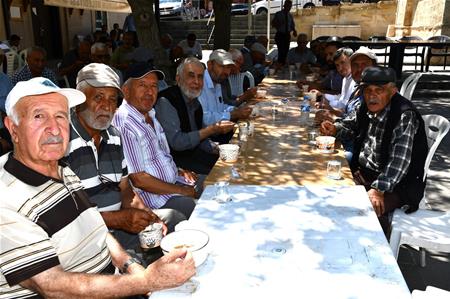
(390, 145)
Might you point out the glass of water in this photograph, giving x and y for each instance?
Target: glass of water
(222, 195)
(334, 170)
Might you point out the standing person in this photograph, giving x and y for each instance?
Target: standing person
(284, 24)
(54, 243)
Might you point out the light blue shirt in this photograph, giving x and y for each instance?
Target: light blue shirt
(5, 88)
(214, 108)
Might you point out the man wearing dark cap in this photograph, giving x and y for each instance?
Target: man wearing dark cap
(95, 154)
(154, 174)
(390, 145)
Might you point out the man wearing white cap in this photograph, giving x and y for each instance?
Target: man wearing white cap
(214, 107)
(54, 242)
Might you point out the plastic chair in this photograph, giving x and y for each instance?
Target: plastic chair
(10, 59)
(417, 53)
(441, 51)
(424, 228)
(409, 85)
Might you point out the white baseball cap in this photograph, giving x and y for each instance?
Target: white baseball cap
(41, 85)
(222, 57)
(364, 51)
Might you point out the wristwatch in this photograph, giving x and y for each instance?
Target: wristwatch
(128, 263)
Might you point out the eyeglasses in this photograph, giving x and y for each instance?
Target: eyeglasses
(108, 183)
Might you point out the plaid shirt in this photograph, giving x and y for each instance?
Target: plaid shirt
(24, 74)
(370, 155)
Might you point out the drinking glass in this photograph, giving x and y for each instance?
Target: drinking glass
(222, 194)
(243, 132)
(334, 170)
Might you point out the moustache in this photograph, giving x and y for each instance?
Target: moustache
(53, 139)
(373, 101)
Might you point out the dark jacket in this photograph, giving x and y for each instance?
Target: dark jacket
(411, 188)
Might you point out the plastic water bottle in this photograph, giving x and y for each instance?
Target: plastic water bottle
(305, 108)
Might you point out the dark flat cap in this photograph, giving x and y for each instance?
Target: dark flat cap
(140, 69)
(377, 75)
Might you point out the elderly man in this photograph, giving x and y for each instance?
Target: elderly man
(390, 145)
(301, 53)
(74, 61)
(35, 67)
(54, 242)
(181, 115)
(211, 98)
(240, 86)
(154, 174)
(95, 154)
(284, 24)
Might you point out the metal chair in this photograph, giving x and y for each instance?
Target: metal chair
(386, 48)
(437, 51)
(415, 54)
(409, 85)
(424, 228)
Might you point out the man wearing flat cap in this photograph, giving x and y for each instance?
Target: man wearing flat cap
(390, 145)
(54, 243)
(152, 170)
(95, 154)
(214, 107)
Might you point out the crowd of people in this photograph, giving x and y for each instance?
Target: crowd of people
(91, 165)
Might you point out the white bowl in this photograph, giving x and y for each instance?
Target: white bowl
(193, 240)
(325, 144)
(261, 93)
(229, 152)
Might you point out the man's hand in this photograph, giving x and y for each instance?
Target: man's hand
(223, 126)
(328, 128)
(248, 94)
(323, 115)
(377, 199)
(189, 176)
(171, 270)
(241, 113)
(134, 220)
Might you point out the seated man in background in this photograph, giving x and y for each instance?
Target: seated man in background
(301, 53)
(260, 66)
(119, 58)
(249, 40)
(390, 145)
(181, 115)
(100, 54)
(54, 243)
(191, 47)
(95, 154)
(36, 66)
(74, 61)
(151, 168)
(211, 98)
(240, 86)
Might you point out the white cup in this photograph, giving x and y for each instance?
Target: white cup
(334, 170)
(151, 236)
(222, 195)
(243, 131)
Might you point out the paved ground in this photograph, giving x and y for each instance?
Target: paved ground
(432, 98)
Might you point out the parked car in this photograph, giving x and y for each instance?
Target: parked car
(261, 6)
(175, 8)
(239, 9)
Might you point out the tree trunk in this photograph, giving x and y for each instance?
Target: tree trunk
(222, 31)
(148, 32)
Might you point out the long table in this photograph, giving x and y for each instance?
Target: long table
(278, 153)
(292, 242)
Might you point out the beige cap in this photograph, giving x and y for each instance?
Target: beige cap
(99, 75)
(222, 57)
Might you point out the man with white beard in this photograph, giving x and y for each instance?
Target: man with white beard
(181, 115)
(95, 154)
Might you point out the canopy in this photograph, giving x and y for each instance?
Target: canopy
(101, 5)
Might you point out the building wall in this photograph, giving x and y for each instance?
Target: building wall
(373, 18)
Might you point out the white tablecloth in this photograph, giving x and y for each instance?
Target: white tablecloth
(292, 242)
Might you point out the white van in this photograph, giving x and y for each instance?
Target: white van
(261, 6)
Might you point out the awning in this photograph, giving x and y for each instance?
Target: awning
(100, 5)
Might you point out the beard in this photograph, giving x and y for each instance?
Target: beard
(190, 94)
(94, 122)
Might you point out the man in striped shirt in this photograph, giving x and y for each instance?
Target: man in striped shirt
(95, 154)
(152, 171)
(54, 243)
